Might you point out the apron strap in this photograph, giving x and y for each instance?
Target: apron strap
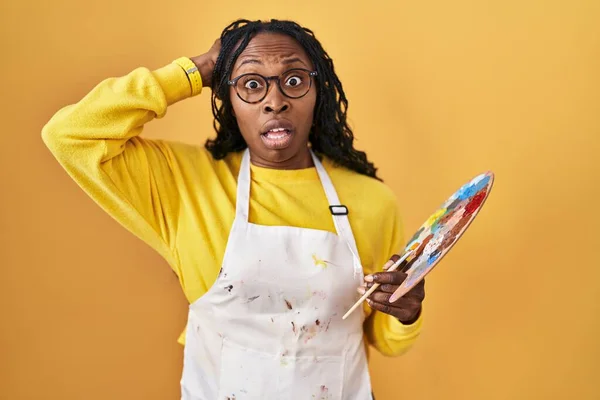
(339, 212)
(243, 190)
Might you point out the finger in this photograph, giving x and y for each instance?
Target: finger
(393, 278)
(419, 290)
(383, 307)
(401, 313)
(363, 289)
(404, 314)
(380, 297)
(410, 300)
(417, 293)
(409, 304)
(405, 303)
(383, 288)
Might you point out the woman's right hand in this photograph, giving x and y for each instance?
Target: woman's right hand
(206, 63)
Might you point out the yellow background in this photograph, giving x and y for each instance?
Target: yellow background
(439, 91)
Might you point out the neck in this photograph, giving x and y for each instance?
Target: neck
(300, 160)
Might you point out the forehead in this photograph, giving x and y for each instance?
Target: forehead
(272, 48)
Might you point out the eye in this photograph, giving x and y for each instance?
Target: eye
(252, 84)
(293, 81)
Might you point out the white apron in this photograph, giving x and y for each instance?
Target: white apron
(271, 325)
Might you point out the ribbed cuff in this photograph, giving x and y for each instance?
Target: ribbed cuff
(174, 83)
(399, 330)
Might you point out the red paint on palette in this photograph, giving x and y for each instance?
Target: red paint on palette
(443, 229)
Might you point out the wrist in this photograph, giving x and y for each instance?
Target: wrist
(205, 67)
(192, 73)
(412, 320)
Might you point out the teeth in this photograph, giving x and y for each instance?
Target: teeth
(277, 132)
(276, 135)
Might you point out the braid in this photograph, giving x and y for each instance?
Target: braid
(330, 136)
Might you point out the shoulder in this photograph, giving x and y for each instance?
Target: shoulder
(358, 188)
(191, 153)
(374, 213)
(373, 205)
(195, 164)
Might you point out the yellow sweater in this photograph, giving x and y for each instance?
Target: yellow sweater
(181, 202)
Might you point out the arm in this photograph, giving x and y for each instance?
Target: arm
(390, 336)
(386, 332)
(97, 142)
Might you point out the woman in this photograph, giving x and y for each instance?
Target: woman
(268, 227)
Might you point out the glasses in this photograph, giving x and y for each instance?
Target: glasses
(253, 88)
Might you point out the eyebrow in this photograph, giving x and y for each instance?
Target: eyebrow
(287, 61)
(292, 60)
(249, 61)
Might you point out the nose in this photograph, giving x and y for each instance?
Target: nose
(275, 102)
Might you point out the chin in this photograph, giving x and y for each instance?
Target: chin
(279, 157)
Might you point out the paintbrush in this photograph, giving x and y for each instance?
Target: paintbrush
(393, 267)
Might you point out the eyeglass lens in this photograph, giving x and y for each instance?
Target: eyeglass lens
(253, 87)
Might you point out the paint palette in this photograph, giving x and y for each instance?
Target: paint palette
(443, 228)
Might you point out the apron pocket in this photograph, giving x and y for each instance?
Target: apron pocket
(312, 378)
(247, 374)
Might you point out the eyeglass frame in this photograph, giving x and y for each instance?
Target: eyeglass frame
(233, 82)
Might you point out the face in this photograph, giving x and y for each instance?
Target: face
(276, 129)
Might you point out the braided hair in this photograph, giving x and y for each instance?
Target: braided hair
(330, 134)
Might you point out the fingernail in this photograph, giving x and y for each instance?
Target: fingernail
(388, 264)
(369, 301)
(369, 278)
(361, 290)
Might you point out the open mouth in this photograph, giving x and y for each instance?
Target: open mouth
(277, 138)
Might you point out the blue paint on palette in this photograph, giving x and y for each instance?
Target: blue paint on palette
(442, 229)
(433, 258)
(471, 189)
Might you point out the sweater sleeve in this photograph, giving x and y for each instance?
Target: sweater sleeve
(384, 332)
(97, 142)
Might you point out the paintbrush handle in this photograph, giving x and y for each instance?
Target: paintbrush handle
(363, 298)
(376, 285)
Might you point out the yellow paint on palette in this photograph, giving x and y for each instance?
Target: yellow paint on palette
(414, 246)
(439, 213)
(319, 262)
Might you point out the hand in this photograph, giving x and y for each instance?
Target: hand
(407, 308)
(206, 63)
